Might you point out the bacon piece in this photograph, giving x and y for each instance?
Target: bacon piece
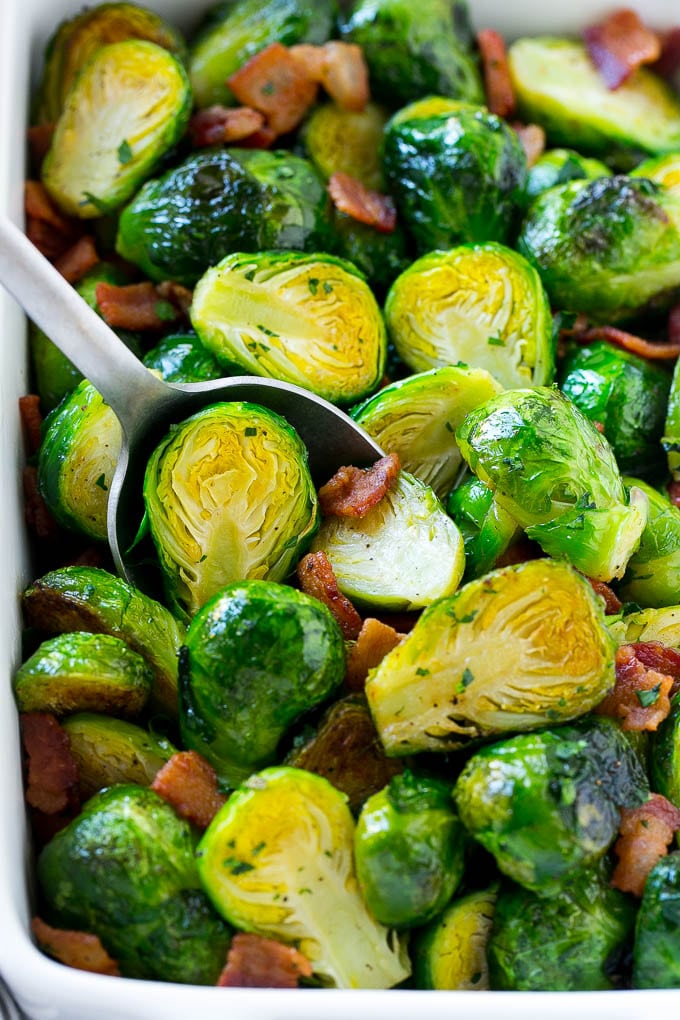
(673, 489)
(668, 64)
(646, 833)
(612, 603)
(374, 641)
(39, 141)
(317, 578)
(500, 95)
(361, 203)
(78, 259)
(339, 67)
(532, 137)
(224, 124)
(257, 962)
(52, 774)
(46, 227)
(178, 295)
(78, 949)
(619, 45)
(31, 421)
(135, 306)
(38, 517)
(189, 783)
(641, 695)
(274, 83)
(661, 350)
(655, 655)
(352, 492)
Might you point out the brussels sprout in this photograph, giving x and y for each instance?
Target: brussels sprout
(409, 850)
(482, 304)
(515, 650)
(347, 140)
(228, 497)
(380, 257)
(547, 805)
(256, 657)
(182, 357)
(277, 860)
(97, 161)
(626, 394)
(109, 751)
(223, 200)
(405, 553)
(88, 598)
(306, 319)
(558, 166)
(79, 672)
(664, 758)
(652, 577)
(609, 248)
(457, 172)
(413, 50)
(652, 625)
(663, 170)
(124, 869)
(558, 86)
(417, 418)
(553, 472)
(487, 529)
(449, 954)
(657, 939)
(671, 438)
(236, 30)
(569, 942)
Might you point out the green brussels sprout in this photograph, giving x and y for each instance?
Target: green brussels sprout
(228, 497)
(657, 941)
(277, 860)
(409, 850)
(608, 248)
(558, 166)
(671, 438)
(547, 805)
(449, 954)
(380, 257)
(124, 869)
(652, 577)
(181, 357)
(571, 941)
(346, 140)
(652, 625)
(417, 418)
(88, 598)
(80, 672)
(110, 751)
(558, 86)
(663, 170)
(480, 304)
(487, 529)
(626, 394)
(664, 758)
(515, 650)
(236, 30)
(456, 172)
(76, 40)
(403, 554)
(256, 657)
(305, 319)
(223, 200)
(414, 51)
(553, 472)
(96, 162)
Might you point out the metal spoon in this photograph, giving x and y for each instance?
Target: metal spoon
(145, 405)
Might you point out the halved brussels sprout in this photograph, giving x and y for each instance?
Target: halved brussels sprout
(553, 472)
(558, 166)
(417, 418)
(181, 357)
(277, 860)
(405, 553)
(520, 648)
(97, 160)
(228, 497)
(653, 625)
(347, 140)
(671, 437)
(481, 304)
(450, 953)
(652, 577)
(487, 529)
(306, 319)
(657, 932)
(664, 759)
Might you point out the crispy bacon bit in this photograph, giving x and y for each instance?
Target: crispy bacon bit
(641, 695)
(317, 578)
(189, 783)
(39, 141)
(256, 962)
(78, 949)
(46, 227)
(179, 296)
(135, 306)
(673, 489)
(31, 421)
(532, 137)
(619, 45)
(38, 517)
(375, 640)
(78, 259)
(662, 658)
(361, 203)
(646, 833)
(500, 95)
(274, 83)
(352, 491)
(661, 350)
(224, 124)
(612, 603)
(668, 64)
(341, 69)
(52, 774)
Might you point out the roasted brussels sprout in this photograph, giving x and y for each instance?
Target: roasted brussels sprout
(306, 319)
(380, 257)
(228, 497)
(664, 759)
(652, 577)
(671, 437)
(124, 869)
(652, 625)
(220, 201)
(481, 304)
(277, 860)
(553, 472)
(417, 418)
(181, 357)
(346, 140)
(457, 172)
(487, 529)
(663, 170)
(558, 166)
(657, 932)
(449, 954)
(515, 650)
(547, 805)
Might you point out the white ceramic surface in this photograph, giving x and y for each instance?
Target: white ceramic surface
(44, 989)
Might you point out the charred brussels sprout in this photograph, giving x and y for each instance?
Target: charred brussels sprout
(182, 357)
(96, 161)
(450, 953)
(124, 869)
(277, 860)
(559, 166)
(346, 140)
(409, 850)
(652, 577)
(305, 319)
(657, 939)
(671, 437)
(515, 650)
(553, 472)
(228, 497)
(220, 201)
(481, 304)
(457, 172)
(487, 529)
(256, 657)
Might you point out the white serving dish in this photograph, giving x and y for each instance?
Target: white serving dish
(44, 989)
